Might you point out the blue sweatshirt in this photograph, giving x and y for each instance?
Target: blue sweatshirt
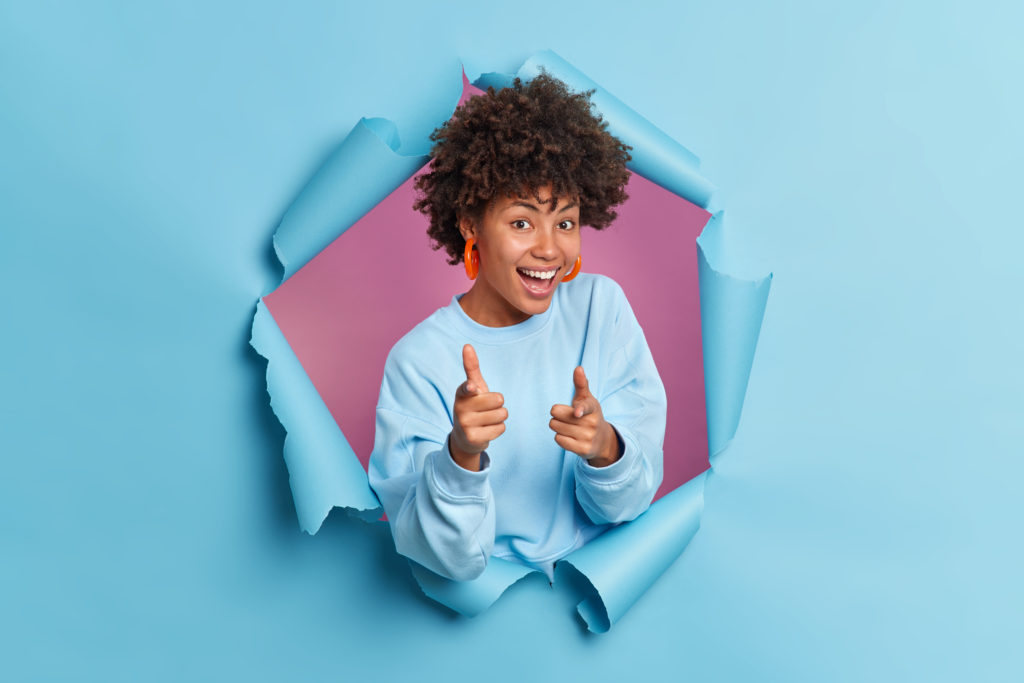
(532, 502)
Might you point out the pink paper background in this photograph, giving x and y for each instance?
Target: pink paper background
(342, 311)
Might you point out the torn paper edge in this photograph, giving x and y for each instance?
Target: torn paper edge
(731, 313)
(324, 471)
(655, 155)
(620, 565)
(470, 598)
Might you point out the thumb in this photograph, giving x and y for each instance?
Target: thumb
(474, 379)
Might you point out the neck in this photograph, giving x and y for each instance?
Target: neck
(484, 306)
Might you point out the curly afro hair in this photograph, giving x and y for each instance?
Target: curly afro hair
(513, 141)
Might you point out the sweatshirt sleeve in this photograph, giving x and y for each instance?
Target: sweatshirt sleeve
(633, 401)
(441, 515)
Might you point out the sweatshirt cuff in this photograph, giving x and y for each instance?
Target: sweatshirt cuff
(615, 473)
(457, 482)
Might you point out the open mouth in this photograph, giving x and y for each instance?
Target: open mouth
(539, 282)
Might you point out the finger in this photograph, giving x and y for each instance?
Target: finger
(471, 364)
(485, 418)
(570, 444)
(579, 378)
(482, 435)
(466, 389)
(584, 407)
(480, 402)
(569, 413)
(562, 412)
(574, 431)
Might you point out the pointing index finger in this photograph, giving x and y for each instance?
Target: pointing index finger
(579, 379)
(471, 364)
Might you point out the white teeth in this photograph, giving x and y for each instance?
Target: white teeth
(543, 275)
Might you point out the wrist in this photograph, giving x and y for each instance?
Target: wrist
(612, 451)
(467, 461)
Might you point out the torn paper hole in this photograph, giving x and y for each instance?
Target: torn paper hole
(326, 343)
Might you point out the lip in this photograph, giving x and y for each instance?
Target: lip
(532, 289)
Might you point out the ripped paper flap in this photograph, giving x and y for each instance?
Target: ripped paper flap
(327, 329)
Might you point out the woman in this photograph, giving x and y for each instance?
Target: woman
(527, 416)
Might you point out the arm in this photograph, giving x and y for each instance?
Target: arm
(633, 402)
(441, 515)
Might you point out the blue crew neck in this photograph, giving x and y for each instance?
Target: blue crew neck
(499, 335)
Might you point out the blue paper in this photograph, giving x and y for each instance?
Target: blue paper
(470, 598)
(656, 156)
(323, 470)
(623, 563)
(731, 311)
(614, 570)
(364, 169)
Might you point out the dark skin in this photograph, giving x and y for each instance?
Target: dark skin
(480, 418)
(535, 233)
(512, 137)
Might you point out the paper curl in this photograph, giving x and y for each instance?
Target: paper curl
(325, 337)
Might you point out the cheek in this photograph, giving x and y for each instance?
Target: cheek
(499, 259)
(571, 245)
(506, 256)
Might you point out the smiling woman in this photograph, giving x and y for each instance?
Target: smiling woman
(526, 244)
(564, 436)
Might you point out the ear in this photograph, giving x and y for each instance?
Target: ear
(467, 227)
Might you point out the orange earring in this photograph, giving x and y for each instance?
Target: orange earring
(471, 259)
(575, 269)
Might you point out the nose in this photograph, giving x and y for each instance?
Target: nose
(544, 246)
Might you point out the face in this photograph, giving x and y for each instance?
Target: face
(526, 245)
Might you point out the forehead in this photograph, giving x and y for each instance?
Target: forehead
(540, 199)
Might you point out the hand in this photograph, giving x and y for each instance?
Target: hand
(479, 415)
(581, 428)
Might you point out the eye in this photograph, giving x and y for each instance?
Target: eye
(567, 225)
(520, 224)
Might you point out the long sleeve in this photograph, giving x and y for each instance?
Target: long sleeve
(441, 515)
(633, 401)
(531, 502)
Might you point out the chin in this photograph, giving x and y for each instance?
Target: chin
(536, 307)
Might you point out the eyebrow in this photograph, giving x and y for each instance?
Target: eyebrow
(527, 205)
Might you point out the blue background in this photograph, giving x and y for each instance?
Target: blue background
(865, 523)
